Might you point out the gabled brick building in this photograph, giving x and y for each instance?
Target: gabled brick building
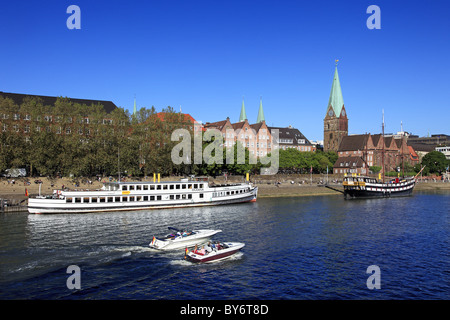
(357, 153)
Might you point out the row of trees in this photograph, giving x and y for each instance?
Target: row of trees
(72, 139)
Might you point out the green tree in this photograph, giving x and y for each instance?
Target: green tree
(435, 162)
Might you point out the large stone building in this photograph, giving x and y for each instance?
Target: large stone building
(255, 137)
(258, 138)
(335, 123)
(26, 114)
(357, 153)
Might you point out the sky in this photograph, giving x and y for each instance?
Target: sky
(207, 56)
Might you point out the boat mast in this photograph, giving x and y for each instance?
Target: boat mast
(382, 151)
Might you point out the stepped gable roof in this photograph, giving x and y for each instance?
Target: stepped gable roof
(353, 142)
(109, 106)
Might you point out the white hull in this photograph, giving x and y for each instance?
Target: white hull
(200, 236)
(127, 200)
(216, 255)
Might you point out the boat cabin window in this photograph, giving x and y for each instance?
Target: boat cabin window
(165, 186)
(195, 186)
(158, 197)
(145, 187)
(172, 187)
(131, 188)
(139, 187)
(158, 187)
(201, 195)
(118, 199)
(152, 187)
(183, 186)
(177, 186)
(124, 187)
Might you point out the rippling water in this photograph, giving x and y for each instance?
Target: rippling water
(296, 248)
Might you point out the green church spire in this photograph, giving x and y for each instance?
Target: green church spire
(260, 112)
(243, 115)
(336, 99)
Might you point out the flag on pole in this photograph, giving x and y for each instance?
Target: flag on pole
(26, 192)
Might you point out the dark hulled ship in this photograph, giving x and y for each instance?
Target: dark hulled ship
(368, 187)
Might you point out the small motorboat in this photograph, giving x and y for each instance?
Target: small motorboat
(216, 251)
(182, 238)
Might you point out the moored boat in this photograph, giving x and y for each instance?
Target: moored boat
(218, 251)
(125, 196)
(368, 187)
(182, 238)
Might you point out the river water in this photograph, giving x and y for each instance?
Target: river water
(296, 248)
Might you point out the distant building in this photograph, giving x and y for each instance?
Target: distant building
(435, 139)
(335, 123)
(258, 137)
(26, 114)
(292, 138)
(357, 153)
(445, 151)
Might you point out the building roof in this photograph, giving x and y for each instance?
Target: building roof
(353, 142)
(348, 162)
(421, 147)
(109, 106)
(290, 133)
(336, 99)
(186, 117)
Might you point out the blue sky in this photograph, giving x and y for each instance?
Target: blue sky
(207, 55)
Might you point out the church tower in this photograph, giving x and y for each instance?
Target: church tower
(335, 124)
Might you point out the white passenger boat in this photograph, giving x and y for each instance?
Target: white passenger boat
(218, 251)
(125, 196)
(182, 238)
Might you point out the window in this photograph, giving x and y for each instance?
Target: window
(201, 195)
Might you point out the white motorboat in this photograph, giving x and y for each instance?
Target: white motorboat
(182, 238)
(219, 251)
